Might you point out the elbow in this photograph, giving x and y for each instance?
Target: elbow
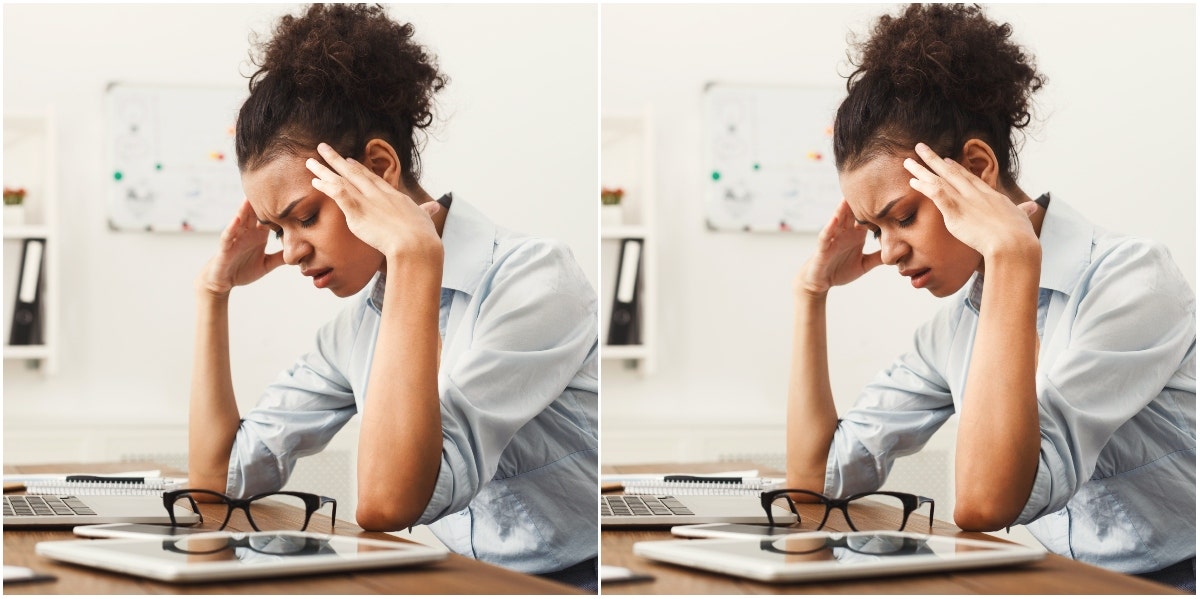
(981, 515)
(386, 514)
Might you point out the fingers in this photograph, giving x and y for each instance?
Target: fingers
(431, 208)
(272, 261)
(872, 260)
(358, 175)
(1029, 208)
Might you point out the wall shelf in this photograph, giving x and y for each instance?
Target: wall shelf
(30, 162)
(627, 162)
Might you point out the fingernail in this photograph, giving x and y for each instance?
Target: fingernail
(351, 160)
(949, 160)
(322, 147)
(921, 146)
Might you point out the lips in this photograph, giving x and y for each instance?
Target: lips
(919, 277)
(320, 276)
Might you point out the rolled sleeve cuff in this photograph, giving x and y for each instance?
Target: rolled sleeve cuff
(848, 469)
(1039, 496)
(440, 501)
(252, 469)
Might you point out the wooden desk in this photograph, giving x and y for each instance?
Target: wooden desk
(454, 575)
(1052, 575)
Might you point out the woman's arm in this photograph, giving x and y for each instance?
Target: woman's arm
(401, 437)
(811, 414)
(998, 434)
(213, 413)
(400, 441)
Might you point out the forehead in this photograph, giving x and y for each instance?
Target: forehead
(872, 186)
(274, 185)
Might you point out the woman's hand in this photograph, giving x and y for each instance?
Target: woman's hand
(376, 212)
(839, 259)
(241, 257)
(979, 216)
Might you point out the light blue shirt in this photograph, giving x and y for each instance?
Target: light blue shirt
(1116, 388)
(518, 386)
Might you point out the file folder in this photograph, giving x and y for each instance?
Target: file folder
(27, 317)
(624, 328)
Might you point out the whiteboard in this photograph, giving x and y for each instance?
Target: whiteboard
(770, 157)
(173, 166)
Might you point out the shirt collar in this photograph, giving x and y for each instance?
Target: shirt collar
(1066, 239)
(468, 238)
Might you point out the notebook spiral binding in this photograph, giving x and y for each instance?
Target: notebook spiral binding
(635, 487)
(95, 488)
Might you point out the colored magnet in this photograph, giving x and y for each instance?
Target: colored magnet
(814, 155)
(117, 176)
(216, 155)
(716, 175)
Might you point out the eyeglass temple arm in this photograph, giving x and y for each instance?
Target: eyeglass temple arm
(922, 501)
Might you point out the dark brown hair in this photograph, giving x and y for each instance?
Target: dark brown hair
(341, 74)
(939, 74)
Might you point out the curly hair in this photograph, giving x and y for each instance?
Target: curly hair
(342, 74)
(939, 74)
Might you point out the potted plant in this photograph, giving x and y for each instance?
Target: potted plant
(610, 206)
(14, 206)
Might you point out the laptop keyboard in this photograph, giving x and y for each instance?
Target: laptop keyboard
(642, 505)
(44, 505)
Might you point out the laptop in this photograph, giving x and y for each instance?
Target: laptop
(671, 510)
(63, 511)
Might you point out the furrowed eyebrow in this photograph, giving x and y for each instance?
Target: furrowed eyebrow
(882, 213)
(286, 211)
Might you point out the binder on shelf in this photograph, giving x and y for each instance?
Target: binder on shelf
(27, 317)
(624, 327)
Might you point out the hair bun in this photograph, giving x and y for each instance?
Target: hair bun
(953, 51)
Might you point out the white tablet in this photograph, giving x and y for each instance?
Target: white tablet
(233, 555)
(831, 555)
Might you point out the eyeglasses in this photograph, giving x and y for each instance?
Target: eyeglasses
(309, 502)
(864, 506)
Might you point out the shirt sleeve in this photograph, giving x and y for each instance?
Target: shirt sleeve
(1132, 326)
(297, 414)
(894, 416)
(534, 328)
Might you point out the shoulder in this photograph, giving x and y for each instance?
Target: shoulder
(1134, 262)
(548, 261)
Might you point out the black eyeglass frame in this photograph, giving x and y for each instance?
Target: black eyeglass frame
(911, 504)
(312, 503)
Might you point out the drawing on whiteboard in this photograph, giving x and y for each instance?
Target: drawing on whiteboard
(770, 153)
(169, 147)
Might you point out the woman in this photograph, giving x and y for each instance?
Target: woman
(1068, 352)
(471, 354)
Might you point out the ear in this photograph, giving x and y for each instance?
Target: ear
(979, 158)
(381, 158)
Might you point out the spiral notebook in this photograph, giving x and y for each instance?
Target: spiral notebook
(691, 484)
(148, 483)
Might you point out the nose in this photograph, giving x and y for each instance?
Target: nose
(892, 248)
(295, 249)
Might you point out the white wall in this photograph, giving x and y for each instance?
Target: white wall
(1116, 138)
(518, 139)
